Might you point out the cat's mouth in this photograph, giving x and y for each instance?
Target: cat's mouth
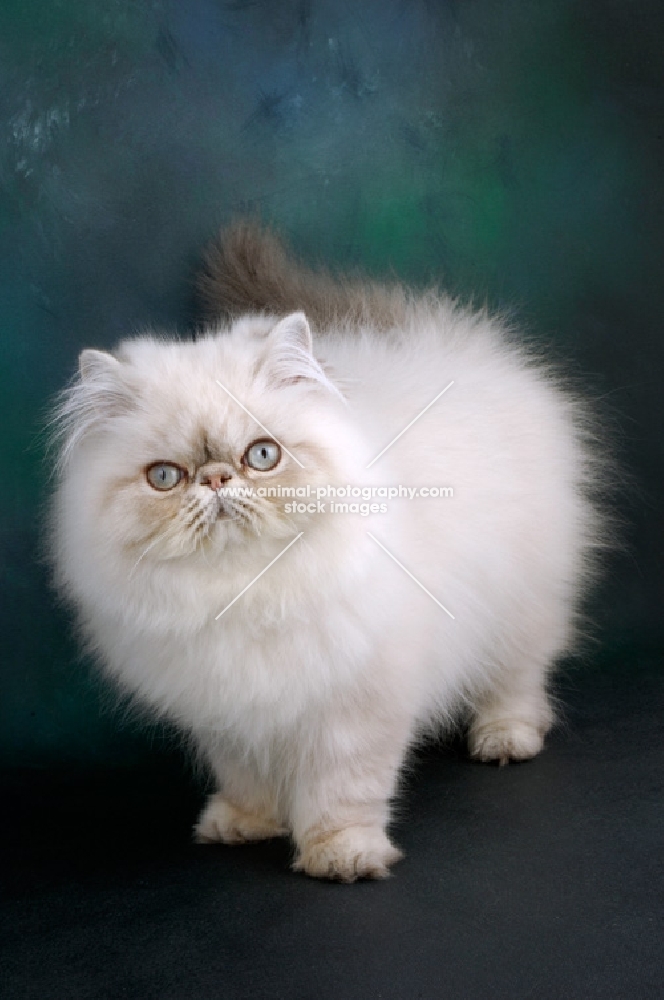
(241, 513)
(230, 510)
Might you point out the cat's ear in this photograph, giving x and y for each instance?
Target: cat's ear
(289, 354)
(293, 331)
(104, 382)
(102, 391)
(97, 365)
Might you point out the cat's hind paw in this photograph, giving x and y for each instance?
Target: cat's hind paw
(223, 822)
(348, 854)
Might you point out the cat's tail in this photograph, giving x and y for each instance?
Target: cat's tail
(248, 269)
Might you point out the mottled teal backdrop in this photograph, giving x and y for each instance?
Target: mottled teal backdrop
(512, 150)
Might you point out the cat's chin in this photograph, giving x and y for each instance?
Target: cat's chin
(224, 531)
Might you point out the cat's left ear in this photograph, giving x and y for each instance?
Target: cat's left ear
(289, 354)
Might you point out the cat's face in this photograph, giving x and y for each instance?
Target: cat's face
(178, 426)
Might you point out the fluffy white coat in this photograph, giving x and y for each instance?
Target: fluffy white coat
(307, 692)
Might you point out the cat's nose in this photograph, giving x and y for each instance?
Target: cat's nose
(215, 481)
(215, 476)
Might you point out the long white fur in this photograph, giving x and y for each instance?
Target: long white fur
(307, 692)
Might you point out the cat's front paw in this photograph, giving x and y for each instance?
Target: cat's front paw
(505, 740)
(348, 854)
(223, 822)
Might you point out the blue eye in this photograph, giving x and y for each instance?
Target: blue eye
(263, 455)
(164, 475)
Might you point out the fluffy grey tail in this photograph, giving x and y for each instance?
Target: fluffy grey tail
(248, 269)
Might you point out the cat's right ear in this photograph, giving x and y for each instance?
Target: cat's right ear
(97, 365)
(102, 391)
(104, 382)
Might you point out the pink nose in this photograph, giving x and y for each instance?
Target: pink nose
(215, 474)
(215, 480)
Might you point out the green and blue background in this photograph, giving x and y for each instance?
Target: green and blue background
(513, 151)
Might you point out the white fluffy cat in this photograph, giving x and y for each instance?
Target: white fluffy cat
(305, 694)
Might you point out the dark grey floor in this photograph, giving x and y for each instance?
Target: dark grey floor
(540, 880)
(513, 151)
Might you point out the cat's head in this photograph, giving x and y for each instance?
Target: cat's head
(157, 435)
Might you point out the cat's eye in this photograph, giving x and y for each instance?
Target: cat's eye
(262, 455)
(164, 475)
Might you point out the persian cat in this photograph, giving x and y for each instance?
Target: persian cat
(243, 526)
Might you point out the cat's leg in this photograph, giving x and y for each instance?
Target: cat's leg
(341, 802)
(244, 809)
(513, 716)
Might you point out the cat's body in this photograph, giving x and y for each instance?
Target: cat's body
(307, 691)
